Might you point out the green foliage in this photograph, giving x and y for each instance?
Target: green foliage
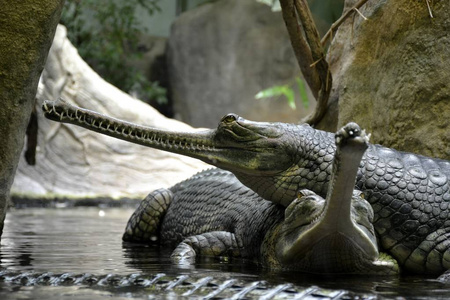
(287, 91)
(302, 92)
(274, 4)
(106, 34)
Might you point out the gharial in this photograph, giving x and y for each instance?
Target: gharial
(311, 234)
(409, 193)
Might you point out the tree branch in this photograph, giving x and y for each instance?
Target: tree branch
(341, 20)
(300, 46)
(320, 64)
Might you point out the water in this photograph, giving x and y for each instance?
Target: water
(77, 253)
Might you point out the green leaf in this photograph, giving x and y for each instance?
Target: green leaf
(302, 92)
(289, 94)
(276, 90)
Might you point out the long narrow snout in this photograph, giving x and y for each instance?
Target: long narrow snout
(236, 145)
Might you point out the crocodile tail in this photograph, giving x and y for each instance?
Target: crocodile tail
(144, 225)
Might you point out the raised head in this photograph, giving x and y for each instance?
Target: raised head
(336, 234)
(253, 151)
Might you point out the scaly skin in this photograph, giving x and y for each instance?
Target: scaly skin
(409, 193)
(334, 235)
(317, 233)
(213, 214)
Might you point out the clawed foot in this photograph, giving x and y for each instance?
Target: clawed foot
(183, 255)
(445, 278)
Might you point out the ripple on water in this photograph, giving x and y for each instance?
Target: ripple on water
(77, 252)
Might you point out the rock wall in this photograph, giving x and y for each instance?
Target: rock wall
(391, 75)
(74, 162)
(26, 32)
(221, 54)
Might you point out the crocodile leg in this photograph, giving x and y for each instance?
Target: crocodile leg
(383, 265)
(215, 243)
(445, 277)
(433, 254)
(144, 224)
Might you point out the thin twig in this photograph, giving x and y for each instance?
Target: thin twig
(362, 16)
(429, 8)
(316, 62)
(338, 23)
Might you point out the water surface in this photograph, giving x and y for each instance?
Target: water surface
(77, 253)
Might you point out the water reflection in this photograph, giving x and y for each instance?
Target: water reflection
(47, 251)
(150, 259)
(75, 239)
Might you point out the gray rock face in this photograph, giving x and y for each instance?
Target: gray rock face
(77, 163)
(391, 75)
(221, 54)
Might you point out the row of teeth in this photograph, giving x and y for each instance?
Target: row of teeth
(124, 131)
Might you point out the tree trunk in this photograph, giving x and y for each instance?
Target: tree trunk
(26, 33)
(391, 74)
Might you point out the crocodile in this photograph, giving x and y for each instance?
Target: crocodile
(409, 193)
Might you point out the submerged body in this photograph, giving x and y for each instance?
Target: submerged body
(410, 194)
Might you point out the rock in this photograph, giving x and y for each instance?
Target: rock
(218, 63)
(26, 32)
(76, 163)
(391, 75)
(151, 63)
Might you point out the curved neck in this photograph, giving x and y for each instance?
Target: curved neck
(339, 197)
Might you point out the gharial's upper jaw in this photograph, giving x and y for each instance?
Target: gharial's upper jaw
(236, 145)
(53, 111)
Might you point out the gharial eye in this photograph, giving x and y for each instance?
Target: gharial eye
(229, 118)
(357, 193)
(304, 193)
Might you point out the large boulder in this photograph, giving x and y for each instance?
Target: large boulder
(391, 75)
(77, 163)
(221, 54)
